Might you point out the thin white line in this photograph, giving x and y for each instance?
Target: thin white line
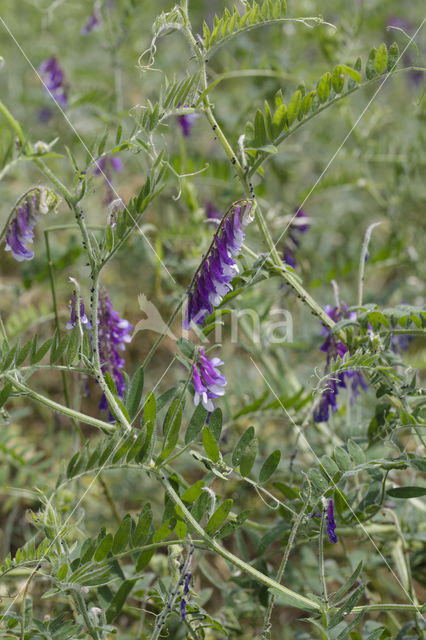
(339, 149)
(109, 183)
(302, 435)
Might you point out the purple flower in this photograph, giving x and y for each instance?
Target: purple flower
(73, 317)
(331, 524)
(53, 79)
(182, 609)
(104, 165)
(209, 383)
(113, 334)
(334, 348)
(213, 279)
(92, 24)
(187, 582)
(186, 122)
(21, 228)
(299, 225)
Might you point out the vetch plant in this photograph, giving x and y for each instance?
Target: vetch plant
(221, 495)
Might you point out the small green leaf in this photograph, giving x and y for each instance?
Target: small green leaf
(348, 584)
(219, 516)
(370, 69)
(143, 526)
(279, 120)
(307, 102)
(122, 534)
(356, 452)
(352, 73)
(62, 572)
(135, 393)
(324, 87)
(343, 459)
(338, 79)
(259, 129)
(210, 445)
(104, 548)
(215, 424)
(5, 393)
(172, 435)
(118, 600)
(381, 59)
(248, 457)
(269, 466)
(294, 107)
(247, 436)
(191, 494)
(393, 56)
(73, 345)
(407, 492)
(149, 409)
(196, 423)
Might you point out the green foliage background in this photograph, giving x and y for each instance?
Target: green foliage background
(376, 176)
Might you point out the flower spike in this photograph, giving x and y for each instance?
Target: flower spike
(212, 280)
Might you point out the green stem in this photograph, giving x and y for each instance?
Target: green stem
(58, 329)
(321, 555)
(60, 408)
(230, 557)
(402, 608)
(266, 632)
(81, 606)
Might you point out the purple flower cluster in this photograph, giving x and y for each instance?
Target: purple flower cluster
(21, 228)
(104, 166)
(53, 78)
(209, 383)
(299, 225)
(331, 523)
(213, 279)
(73, 316)
(183, 602)
(113, 334)
(334, 348)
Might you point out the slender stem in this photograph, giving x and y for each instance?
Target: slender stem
(388, 607)
(58, 329)
(266, 631)
(81, 606)
(60, 408)
(363, 259)
(215, 546)
(321, 555)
